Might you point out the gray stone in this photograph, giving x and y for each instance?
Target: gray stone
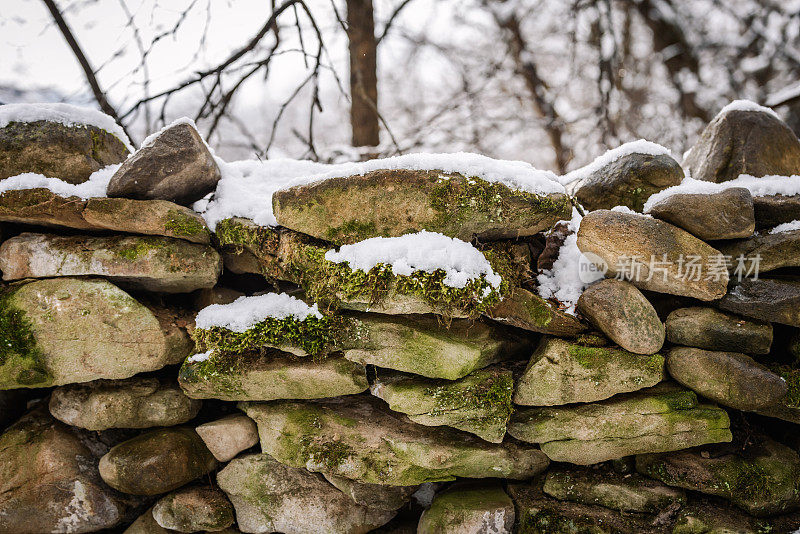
(71, 153)
(763, 480)
(479, 403)
(725, 215)
(66, 330)
(563, 372)
(360, 439)
(627, 242)
(772, 210)
(272, 497)
(156, 462)
(194, 509)
(622, 313)
(743, 142)
(229, 436)
(776, 301)
(151, 263)
(373, 495)
(469, 509)
(175, 166)
(130, 403)
(628, 181)
(49, 480)
(396, 202)
(768, 251)
(663, 418)
(711, 329)
(730, 378)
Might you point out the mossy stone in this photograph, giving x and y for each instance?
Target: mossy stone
(526, 310)
(193, 509)
(711, 329)
(469, 508)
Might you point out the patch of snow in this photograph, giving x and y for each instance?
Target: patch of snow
(246, 187)
(746, 105)
(66, 114)
(183, 120)
(422, 251)
(200, 356)
(786, 227)
(758, 187)
(245, 312)
(77, 510)
(94, 187)
(626, 209)
(634, 147)
(567, 280)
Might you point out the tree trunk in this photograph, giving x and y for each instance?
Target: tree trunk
(363, 73)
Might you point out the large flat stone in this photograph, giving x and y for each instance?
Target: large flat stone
(395, 202)
(66, 330)
(563, 372)
(529, 311)
(469, 509)
(361, 439)
(627, 243)
(767, 251)
(725, 215)
(151, 263)
(776, 301)
(711, 329)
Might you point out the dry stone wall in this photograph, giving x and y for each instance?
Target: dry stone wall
(428, 343)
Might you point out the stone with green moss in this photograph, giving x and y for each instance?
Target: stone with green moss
(479, 403)
(150, 263)
(273, 497)
(523, 309)
(42, 207)
(71, 153)
(268, 375)
(620, 492)
(359, 438)
(711, 329)
(157, 461)
(194, 509)
(763, 478)
(712, 515)
(563, 372)
(663, 418)
(788, 407)
(66, 330)
(395, 202)
(469, 508)
(377, 496)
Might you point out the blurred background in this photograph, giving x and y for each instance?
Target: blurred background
(551, 82)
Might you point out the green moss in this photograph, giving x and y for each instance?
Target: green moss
(329, 454)
(138, 247)
(241, 235)
(539, 313)
(182, 224)
(221, 370)
(491, 395)
(19, 353)
(351, 231)
(792, 377)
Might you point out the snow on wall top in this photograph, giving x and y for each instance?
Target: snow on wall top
(245, 312)
(746, 105)
(246, 187)
(66, 114)
(759, 187)
(421, 251)
(641, 146)
(94, 187)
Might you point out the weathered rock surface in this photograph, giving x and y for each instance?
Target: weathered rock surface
(175, 166)
(67, 330)
(563, 372)
(725, 215)
(711, 329)
(628, 181)
(469, 509)
(272, 497)
(194, 509)
(156, 462)
(764, 480)
(776, 301)
(528, 311)
(626, 493)
(71, 153)
(716, 516)
(768, 251)
(622, 313)
(269, 375)
(479, 403)
(627, 243)
(150, 263)
(49, 480)
(42, 207)
(730, 378)
(772, 210)
(229, 436)
(373, 495)
(744, 142)
(395, 202)
(360, 439)
(661, 419)
(130, 403)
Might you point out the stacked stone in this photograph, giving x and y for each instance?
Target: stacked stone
(146, 387)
